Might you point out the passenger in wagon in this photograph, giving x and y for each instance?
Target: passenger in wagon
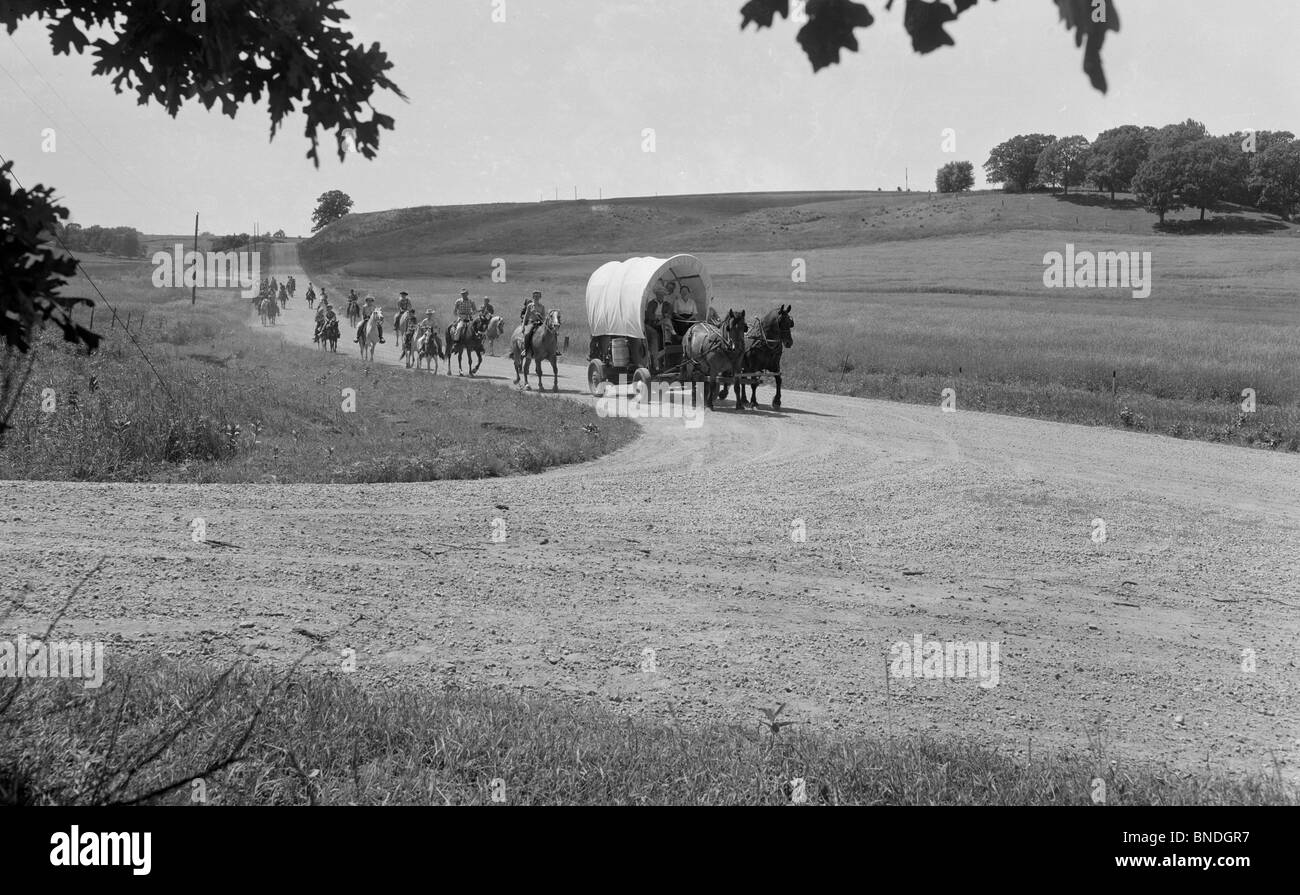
(654, 321)
(684, 305)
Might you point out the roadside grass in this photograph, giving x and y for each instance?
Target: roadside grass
(1221, 319)
(230, 405)
(257, 738)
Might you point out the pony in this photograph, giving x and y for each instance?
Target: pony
(764, 342)
(495, 327)
(544, 347)
(368, 334)
(716, 350)
(264, 311)
(471, 341)
(354, 312)
(405, 330)
(428, 347)
(329, 335)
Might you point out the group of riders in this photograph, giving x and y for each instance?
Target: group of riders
(273, 297)
(470, 321)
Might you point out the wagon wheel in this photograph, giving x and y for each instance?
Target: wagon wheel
(641, 384)
(596, 381)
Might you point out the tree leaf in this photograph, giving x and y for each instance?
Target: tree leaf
(762, 12)
(830, 29)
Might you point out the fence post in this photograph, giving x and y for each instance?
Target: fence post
(1113, 384)
(92, 318)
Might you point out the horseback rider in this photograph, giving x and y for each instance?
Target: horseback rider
(488, 311)
(331, 320)
(311, 295)
(321, 313)
(428, 326)
(464, 311)
(366, 310)
(403, 304)
(532, 315)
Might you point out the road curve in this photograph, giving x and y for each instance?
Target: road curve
(760, 558)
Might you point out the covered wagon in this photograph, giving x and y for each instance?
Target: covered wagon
(618, 294)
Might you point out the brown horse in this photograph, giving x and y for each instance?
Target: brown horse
(329, 334)
(470, 340)
(405, 329)
(715, 351)
(428, 348)
(764, 342)
(544, 347)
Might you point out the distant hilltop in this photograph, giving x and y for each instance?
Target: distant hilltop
(401, 240)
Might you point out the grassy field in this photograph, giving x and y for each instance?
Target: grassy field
(254, 738)
(908, 294)
(231, 404)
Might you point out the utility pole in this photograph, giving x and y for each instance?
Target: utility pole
(194, 288)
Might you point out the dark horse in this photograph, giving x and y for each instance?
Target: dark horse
(471, 342)
(716, 351)
(764, 342)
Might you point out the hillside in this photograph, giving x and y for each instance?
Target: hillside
(402, 241)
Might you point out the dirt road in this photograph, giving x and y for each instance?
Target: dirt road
(761, 558)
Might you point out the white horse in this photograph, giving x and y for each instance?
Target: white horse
(370, 334)
(496, 326)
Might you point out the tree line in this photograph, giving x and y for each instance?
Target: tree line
(124, 241)
(1167, 169)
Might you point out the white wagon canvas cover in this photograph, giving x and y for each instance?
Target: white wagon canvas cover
(618, 291)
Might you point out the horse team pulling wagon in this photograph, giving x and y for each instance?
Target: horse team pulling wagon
(652, 319)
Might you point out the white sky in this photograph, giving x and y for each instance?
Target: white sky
(558, 96)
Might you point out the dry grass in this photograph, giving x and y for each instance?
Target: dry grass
(326, 740)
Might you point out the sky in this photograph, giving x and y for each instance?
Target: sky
(559, 96)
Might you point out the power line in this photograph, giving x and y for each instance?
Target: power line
(77, 117)
(81, 267)
(54, 121)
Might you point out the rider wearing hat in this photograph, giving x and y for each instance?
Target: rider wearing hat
(533, 313)
(464, 313)
(403, 303)
(427, 327)
(366, 311)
